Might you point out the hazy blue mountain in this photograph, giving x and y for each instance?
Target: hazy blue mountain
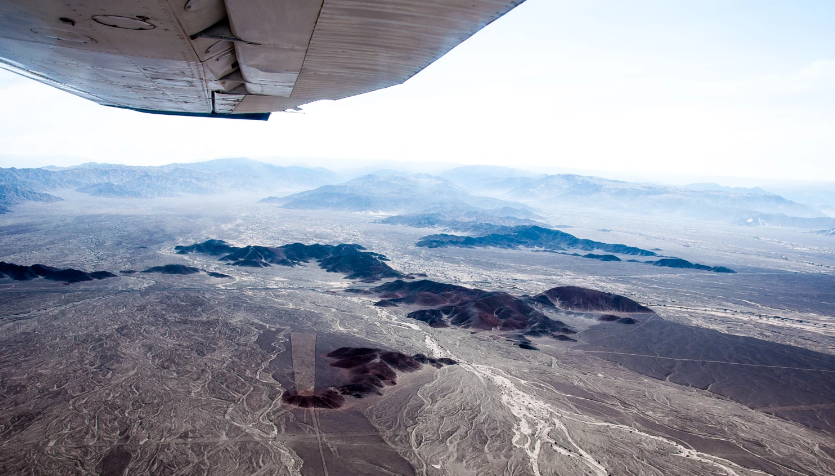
(715, 187)
(600, 193)
(388, 193)
(252, 174)
(490, 180)
(157, 184)
(13, 195)
(216, 176)
(820, 196)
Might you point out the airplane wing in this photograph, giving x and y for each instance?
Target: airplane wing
(233, 58)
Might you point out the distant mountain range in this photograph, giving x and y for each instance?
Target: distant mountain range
(821, 196)
(402, 193)
(489, 180)
(595, 192)
(702, 201)
(714, 187)
(216, 176)
(462, 199)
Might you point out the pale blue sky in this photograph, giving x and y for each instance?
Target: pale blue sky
(738, 88)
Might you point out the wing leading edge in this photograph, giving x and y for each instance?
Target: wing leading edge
(232, 58)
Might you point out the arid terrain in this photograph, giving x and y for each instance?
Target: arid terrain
(275, 357)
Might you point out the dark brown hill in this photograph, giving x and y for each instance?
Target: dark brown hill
(208, 247)
(494, 311)
(365, 371)
(576, 298)
(469, 308)
(684, 264)
(172, 269)
(426, 293)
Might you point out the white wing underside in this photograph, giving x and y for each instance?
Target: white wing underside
(232, 58)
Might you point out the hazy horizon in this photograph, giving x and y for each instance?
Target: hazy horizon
(359, 166)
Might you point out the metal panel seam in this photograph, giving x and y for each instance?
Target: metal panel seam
(307, 50)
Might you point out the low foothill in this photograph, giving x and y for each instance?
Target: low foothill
(349, 259)
(18, 272)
